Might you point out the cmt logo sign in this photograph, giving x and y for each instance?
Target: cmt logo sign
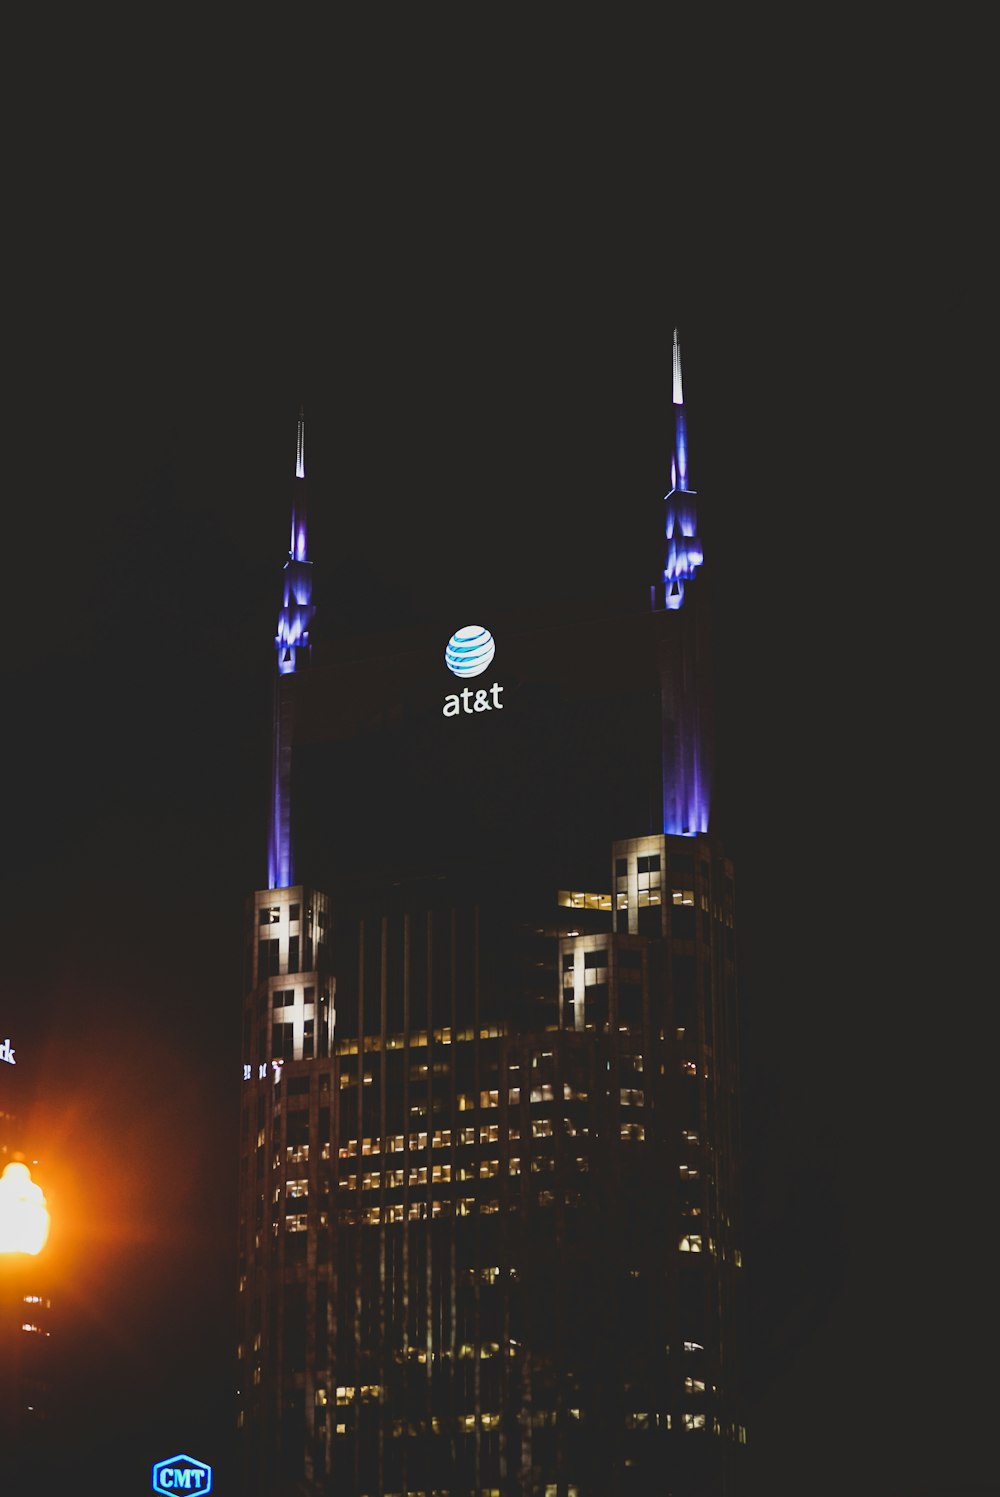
(181, 1473)
(7, 1054)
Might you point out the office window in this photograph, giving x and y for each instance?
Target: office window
(283, 1041)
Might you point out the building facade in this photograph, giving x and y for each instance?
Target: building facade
(26, 1403)
(489, 1194)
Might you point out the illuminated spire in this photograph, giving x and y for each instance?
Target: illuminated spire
(297, 548)
(292, 646)
(300, 445)
(686, 744)
(684, 554)
(678, 460)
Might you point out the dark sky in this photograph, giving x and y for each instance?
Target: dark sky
(465, 255)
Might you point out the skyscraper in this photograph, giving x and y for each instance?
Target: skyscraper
(489, 1223)
(25, 1298)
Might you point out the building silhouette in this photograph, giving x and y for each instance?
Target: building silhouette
(489, 1230)
(26, 1371)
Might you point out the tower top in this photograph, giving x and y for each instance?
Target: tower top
(300, 444)
(297, 548)
(678, 458)
(292, 647)
(678, 385)
(684, 553)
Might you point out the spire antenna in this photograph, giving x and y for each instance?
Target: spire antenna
(300, 445)
(293, 647)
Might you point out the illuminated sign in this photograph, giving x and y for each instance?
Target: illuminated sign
(181, 1473)
(473, 701)
(7, 1054)
(470, 651)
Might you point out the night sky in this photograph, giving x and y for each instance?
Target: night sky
(464, 255)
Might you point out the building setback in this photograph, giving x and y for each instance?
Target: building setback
(489, 1196)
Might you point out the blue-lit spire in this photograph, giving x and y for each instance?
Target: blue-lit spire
(292, 638)
(297, 548)
(292, 647)
(684, 553)
(684, 687)
(678, 461)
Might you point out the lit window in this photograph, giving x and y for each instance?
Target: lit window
(694, 1385)
(691, 1243)
(693, 1421)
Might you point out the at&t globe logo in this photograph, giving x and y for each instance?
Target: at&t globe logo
(469, 652)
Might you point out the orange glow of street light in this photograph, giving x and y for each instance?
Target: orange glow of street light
(24, 1216)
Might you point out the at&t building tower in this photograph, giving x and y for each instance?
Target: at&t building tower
(489, 1233)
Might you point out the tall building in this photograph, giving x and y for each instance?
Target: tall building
(25, 1291)
(489, 1223)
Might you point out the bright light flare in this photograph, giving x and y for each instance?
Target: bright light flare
(24, 1216)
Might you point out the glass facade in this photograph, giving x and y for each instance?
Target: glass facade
(489, 1226)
